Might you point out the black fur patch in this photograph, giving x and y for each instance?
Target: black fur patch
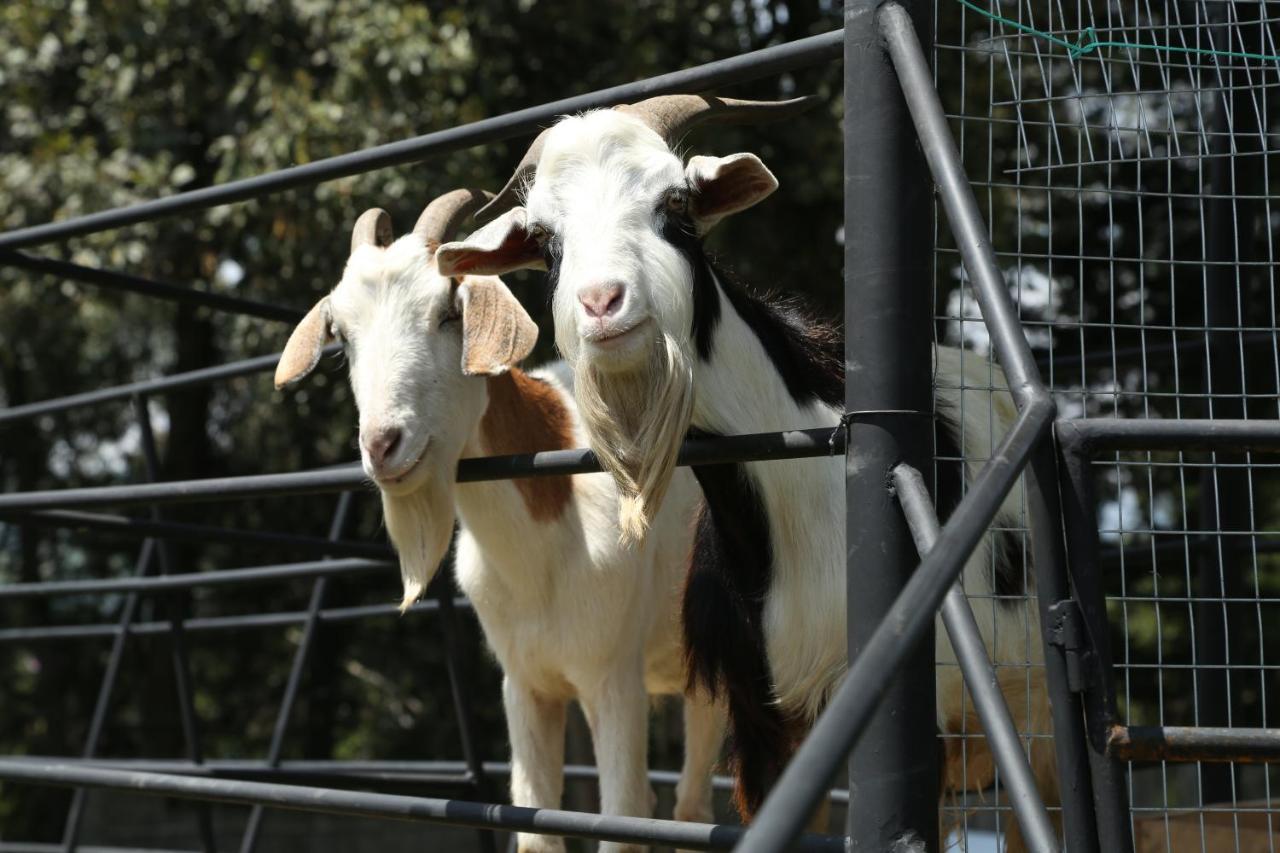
(552, 255)
(723, 624)
(1006, 545)
(808, 354)
(680, 233)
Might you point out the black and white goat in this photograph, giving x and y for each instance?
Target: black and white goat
(661, 341)
(568, 609)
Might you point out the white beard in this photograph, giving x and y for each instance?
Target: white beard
(636, 422)
(420, 524)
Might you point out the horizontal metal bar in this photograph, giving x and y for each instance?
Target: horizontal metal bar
(1092, 435)
(216, 623)
(160, 385)
(354, 772)
(37, 847)
(796, 444)
(395, 807)
(834, 734)
(737, 69)
(1186, 743)
(160, 290)
(225, 577)
(979, 674)
(171, 530)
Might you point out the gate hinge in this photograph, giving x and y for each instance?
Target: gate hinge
(1066, 631)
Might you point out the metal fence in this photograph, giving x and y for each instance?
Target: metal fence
(1140, 172)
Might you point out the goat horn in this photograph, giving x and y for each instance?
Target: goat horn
(671, 116)
(506, 199)
(441, 218)
(373, 228)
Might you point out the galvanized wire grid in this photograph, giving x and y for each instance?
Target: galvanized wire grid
(1129, 195)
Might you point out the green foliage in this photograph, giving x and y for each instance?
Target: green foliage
(110, 103)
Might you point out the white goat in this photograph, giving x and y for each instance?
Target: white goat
(660, 340)
(569, 610)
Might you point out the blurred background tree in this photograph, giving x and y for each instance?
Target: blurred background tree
(111, 103)
(108, 103)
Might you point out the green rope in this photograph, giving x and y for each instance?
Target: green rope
(1090, 42)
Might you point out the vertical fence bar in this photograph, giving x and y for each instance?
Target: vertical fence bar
(979, 674)
(250, 838)
(1096, 676)
(1224, 485)
(177, 633)
(462, 708)
(129, 610)
(888, 207)
(1057, 607)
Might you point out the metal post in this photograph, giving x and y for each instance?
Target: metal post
(250, 838)
(1092, 659)
(128, 612)
(979, 674)
(177, 632)
(462, 707)
(888, 207)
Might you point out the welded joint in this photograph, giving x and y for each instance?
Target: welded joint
(1066, 632)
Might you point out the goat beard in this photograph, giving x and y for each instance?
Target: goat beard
(420, 525)
(637, 421)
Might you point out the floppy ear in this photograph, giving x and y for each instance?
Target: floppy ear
(496, 332)
(302, 353)
(501, 246)
(725, 185)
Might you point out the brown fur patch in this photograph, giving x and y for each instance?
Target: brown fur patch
(527, 415)
(968, 764)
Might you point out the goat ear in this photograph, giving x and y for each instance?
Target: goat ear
(497, 333)
(725, 185)
(302, 352)
(499, 247)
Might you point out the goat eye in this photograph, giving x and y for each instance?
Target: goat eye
(450, 317)
(677, 200)
(540, 234)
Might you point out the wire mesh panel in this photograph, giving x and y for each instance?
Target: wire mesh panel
(1122, 153)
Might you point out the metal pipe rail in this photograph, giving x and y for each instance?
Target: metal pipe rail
(196, 624)
(1201, 743)
(194, 580)
(754, 447)
(163, 384)
(423, 809)
(126, 525)
(979, 674)
(299, 771)
(767, 62)
(111, 280)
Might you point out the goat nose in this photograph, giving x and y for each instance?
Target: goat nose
(601, 300)
(381, 443)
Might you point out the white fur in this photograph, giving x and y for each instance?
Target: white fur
(569, 611)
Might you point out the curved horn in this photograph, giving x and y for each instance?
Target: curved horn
(672, 116)
(373, 228)
(441, 218)
(506, 199)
